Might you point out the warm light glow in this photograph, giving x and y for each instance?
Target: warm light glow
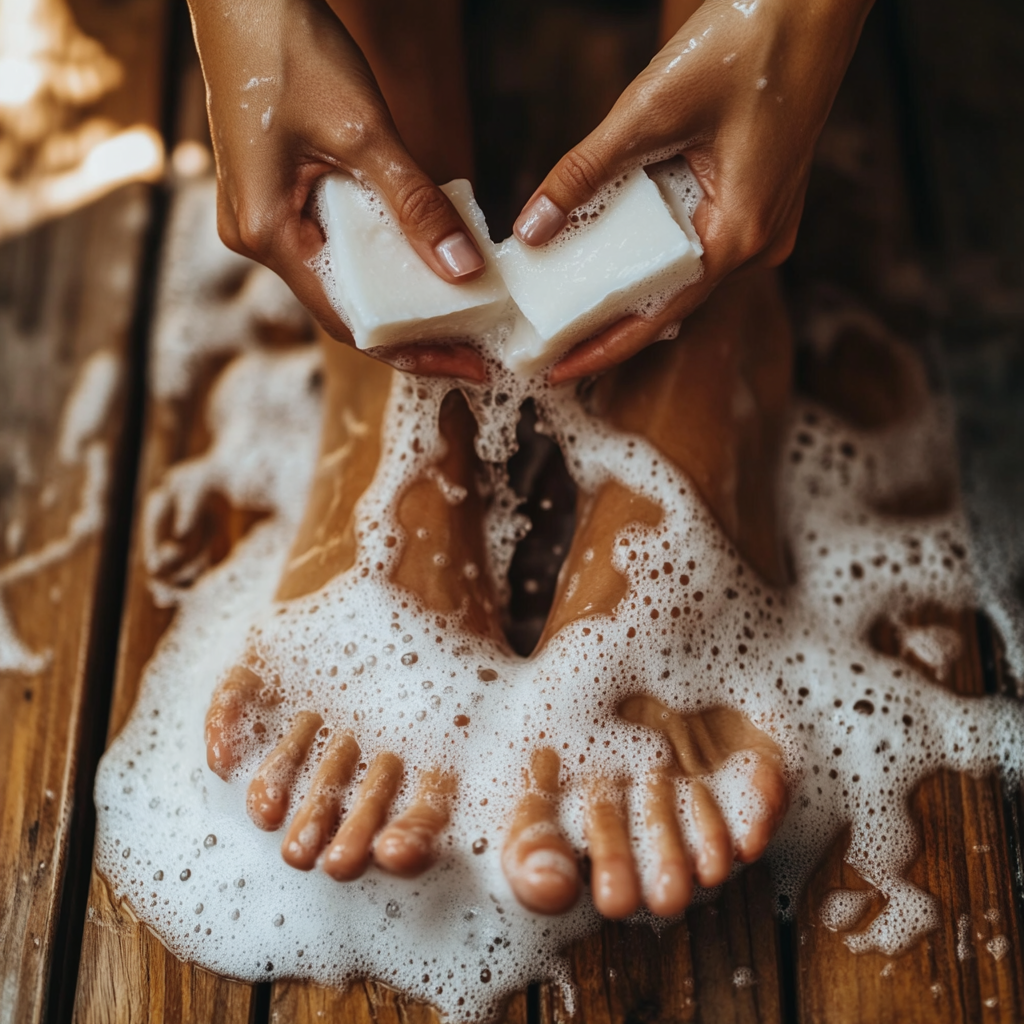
(52, 158)
(20, 80)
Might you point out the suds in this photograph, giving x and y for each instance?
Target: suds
(697, 629)
(80, 450)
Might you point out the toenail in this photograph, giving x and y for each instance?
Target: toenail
(542, 863)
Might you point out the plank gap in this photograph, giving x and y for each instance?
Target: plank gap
(105, 635)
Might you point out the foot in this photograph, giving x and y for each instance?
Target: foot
(443, 539)
(714, 402)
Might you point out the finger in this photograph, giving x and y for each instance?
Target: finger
(628, 336)
(433, 360)
(270, 790)
(614, 885)
(714, 847)
(425, 214)
(407, 846)
(317, 817)
(572, 182)
(671, 886)
(537, 860)
(349, 852)
(239, 689)
(770, 783)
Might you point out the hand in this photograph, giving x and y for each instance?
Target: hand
(743, 90)
(290, 99)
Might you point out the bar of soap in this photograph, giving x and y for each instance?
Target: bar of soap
(592, 274)
(381, 287)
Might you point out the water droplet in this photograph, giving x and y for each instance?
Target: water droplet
(410, 659)
(371, 660)
(210, 841)
(158, 876)
(185, 875)
(389, 648)
(420, 715)
(234, 915)
(126, 852)
(350, 648)
(435, 702)
(485, 975)
(199, 908)
(393, 909)
(407, 639)
(240, 883)
(479, 846)
(278, 920)
(427, 684)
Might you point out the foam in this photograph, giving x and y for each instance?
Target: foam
(81, 447)
(857, 729)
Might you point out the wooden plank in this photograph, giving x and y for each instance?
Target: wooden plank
(719, 966)
(971, 968)
(126, 974)
(68, 291)
(968, 970)
(61, 301)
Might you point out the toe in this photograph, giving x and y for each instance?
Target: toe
(670, 886)
(349, 853)
(236, 691)
(408, 845)
(614, 884)
(537, 860)
(714, 856)
(541, 868)
(770, 783)
(317, 818)
(269, 792)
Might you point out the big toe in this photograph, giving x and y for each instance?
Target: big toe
(545, 878)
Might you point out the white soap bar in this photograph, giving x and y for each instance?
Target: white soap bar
(594, 273)
(380, 286)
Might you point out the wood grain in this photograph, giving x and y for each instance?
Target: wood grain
(67, 290)
(963, 971)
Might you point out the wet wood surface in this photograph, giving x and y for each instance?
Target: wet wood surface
(55, 292)
(68, 290)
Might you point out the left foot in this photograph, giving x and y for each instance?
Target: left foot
(714, 402)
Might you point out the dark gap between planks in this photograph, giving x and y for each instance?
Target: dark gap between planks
(114, 562)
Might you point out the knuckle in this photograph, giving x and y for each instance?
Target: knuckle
(581, 172)
(422, 206)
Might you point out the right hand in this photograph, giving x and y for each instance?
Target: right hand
(291, 98)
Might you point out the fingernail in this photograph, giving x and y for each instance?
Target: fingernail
(459, 254)
(539, 222)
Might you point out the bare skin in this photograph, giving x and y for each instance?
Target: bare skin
(742, 90)
(291, 98)
(681, 397)
(264, 214)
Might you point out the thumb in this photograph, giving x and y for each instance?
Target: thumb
(425, 214)
(569, 184)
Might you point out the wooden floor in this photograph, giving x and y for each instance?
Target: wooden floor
(888, 227)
